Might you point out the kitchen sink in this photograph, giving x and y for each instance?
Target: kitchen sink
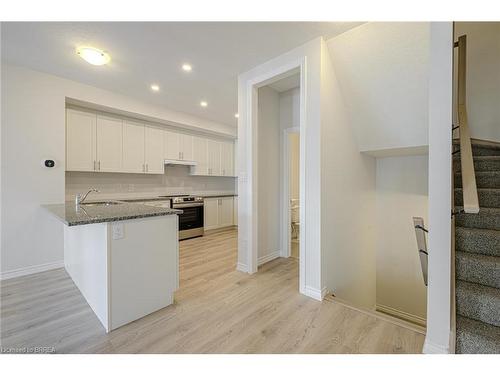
(104, 203)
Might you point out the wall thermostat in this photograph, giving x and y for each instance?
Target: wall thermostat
(49, 163)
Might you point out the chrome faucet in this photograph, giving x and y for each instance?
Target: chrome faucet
(80, 197)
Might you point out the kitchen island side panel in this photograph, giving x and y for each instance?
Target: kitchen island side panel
(86, 261)
(143, 267)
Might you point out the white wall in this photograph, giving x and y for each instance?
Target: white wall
(269, 203)
(33, 118)
(382, 70)
(483, 77)
(347, 198)
(290, 109)
(402, 192)
(439, 291)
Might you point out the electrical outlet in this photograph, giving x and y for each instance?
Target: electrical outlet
(117, 231)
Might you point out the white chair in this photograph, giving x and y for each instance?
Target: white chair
(295, 217)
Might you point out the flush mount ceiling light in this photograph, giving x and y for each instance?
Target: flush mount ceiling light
(93, 55)
(155, 87)
(187, 67)
(237, 115)
(203, 103)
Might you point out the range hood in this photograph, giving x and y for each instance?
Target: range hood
(181, 162)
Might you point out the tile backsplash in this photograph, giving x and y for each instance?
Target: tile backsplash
(175, 180)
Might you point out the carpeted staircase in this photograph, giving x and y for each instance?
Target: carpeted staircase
(477, 245)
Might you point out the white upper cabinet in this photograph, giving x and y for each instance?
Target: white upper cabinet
(227, 159)
(213, 157)
(154, 160)
(200, 156)
(171, 145)
(133, 147)
(80, 140)
(186, 146)
(109, 144)
(178, 146)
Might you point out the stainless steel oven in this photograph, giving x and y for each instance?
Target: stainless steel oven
(191, 220)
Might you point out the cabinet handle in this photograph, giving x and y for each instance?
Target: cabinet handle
(99, 165)
(147, 167)
(94, 166)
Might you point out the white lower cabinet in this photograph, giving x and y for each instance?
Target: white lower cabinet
(219, 212)
(211, 213)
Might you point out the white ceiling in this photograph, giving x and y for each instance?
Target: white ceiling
(143, 53)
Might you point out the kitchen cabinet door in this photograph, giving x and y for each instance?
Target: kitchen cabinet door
(186, 146)
(109, 142)
(133, 147)
(211, 213)
(171, 145)
(226, 211)
(227, 162)
(213, 157)
(80, 140)
(154, 160)
(200, 156)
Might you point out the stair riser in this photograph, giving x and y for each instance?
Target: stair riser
(478, 242)
(487, 198)
(485, 151)
(478, 269)
(490, 180)
(482, 220)
(482, 307)
(480, 165)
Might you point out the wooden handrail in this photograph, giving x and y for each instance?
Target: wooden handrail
(469, 187)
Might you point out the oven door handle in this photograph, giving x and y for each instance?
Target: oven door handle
(187, 205)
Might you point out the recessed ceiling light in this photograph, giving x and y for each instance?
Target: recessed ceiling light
(187, 67)
(203, 103)
(93, 55)
(155, 87)
(237, 115)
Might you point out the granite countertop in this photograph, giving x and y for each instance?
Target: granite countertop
(71, 215)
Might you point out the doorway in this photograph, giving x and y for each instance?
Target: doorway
(278, 169)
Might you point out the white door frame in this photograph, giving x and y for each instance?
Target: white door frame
(286, 230)
(251, 88)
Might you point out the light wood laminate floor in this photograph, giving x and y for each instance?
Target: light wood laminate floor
(217, 310)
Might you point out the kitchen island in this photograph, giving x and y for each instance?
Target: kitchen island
(122, 256)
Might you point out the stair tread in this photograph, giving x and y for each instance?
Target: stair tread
(476, 337)
(478, 268)
(477, 240)
(478, 302)
(487, 218)
(495, 232)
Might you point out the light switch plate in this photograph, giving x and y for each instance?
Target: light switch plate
(117, 231)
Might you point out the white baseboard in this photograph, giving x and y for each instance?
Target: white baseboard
(268, 257)
(432, 348)
(242, 267)
(401, 314)
(31, 270)
(315, 293)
